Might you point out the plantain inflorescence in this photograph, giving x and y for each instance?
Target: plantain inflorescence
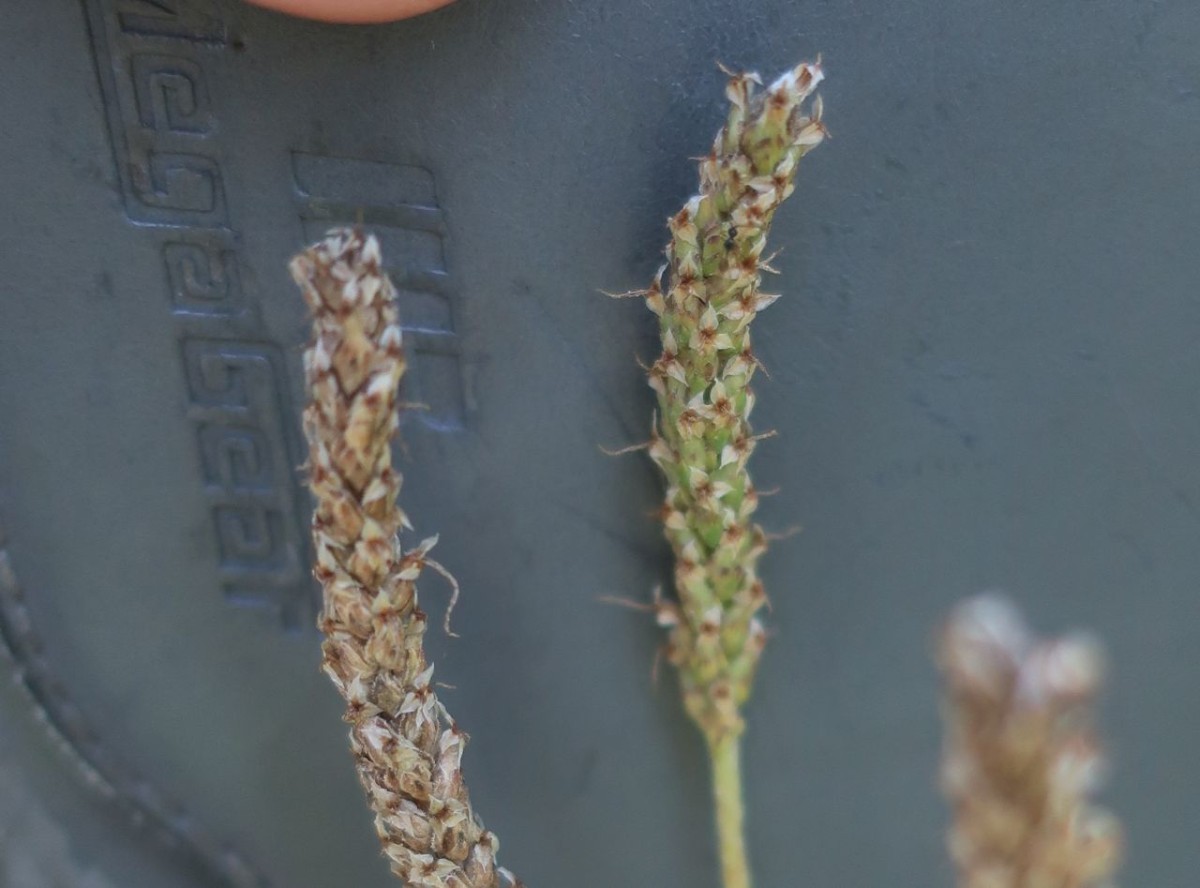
(407, 749)
(702, 437)
(1020, 761)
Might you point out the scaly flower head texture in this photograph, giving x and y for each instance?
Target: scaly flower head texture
(406, 748)
(702, 437)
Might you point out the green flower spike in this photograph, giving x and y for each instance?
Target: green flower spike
(702, 437)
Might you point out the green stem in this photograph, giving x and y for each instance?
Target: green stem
(725, 755)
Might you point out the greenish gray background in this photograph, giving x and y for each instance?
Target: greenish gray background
(984, 371)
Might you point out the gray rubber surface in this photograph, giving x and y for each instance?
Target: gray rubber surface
(985, 373)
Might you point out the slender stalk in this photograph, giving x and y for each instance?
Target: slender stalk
(725, 755)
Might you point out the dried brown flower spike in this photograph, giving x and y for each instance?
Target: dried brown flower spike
(406, 747)
(1020, 761)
